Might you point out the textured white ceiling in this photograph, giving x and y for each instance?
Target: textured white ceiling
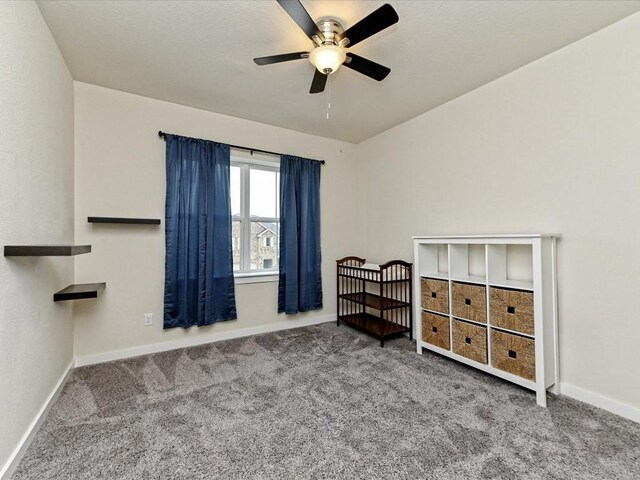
(199, 53)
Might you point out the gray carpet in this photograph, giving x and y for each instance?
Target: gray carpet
(318, 402)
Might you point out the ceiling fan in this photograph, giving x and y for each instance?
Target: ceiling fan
(330, 41)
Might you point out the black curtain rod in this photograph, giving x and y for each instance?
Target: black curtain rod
(161, 135)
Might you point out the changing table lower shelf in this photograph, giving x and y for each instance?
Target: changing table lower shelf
(374, 325)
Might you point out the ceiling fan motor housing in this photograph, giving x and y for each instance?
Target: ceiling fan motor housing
(331, 28)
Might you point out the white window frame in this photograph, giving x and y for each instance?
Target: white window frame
(245, 274)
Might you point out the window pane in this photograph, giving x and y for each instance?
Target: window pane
(264, 245)
(264, 193)
(236, 237)
(235, 190)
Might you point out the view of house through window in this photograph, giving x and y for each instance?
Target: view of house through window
(255, 215)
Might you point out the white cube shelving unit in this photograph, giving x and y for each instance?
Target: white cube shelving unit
(504, 263)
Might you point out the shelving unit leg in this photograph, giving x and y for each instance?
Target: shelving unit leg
(541, 397)
(555, 388)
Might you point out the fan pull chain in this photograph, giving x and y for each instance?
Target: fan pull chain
(328, 95)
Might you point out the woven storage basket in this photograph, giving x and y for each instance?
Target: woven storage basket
(469, 301)
(435, 295)
(435, 330)
(470, 341)
(513, 354)
(511, 309)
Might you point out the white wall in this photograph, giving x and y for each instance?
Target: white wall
(120, 171)
(36, 206)
(552, 147)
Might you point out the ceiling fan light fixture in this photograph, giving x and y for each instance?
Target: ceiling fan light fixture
(327, 58)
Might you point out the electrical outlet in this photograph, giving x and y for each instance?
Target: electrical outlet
(148, 319)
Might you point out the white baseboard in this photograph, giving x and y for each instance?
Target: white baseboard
(14, 459)
(199, 340)
(614, 406)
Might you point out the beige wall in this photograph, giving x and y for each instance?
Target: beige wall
(36, 206)
(552, 147)
(120, 171)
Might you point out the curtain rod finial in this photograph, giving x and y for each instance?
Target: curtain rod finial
(160, 133)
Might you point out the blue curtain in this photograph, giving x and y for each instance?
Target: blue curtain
(198, 285)
(300, 280)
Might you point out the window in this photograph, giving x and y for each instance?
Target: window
(255, 186)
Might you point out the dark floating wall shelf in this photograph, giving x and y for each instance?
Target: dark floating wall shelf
(79, 291)
(45, 250)
(126, 221)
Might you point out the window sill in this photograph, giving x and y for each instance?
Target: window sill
(257, 277)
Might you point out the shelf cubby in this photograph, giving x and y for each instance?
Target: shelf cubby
(45, 250)
(510, 266)
(124, 220)
(434, 260)
(79, 291)
(468, 263)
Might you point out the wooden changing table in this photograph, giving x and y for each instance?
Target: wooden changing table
(376, 299)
